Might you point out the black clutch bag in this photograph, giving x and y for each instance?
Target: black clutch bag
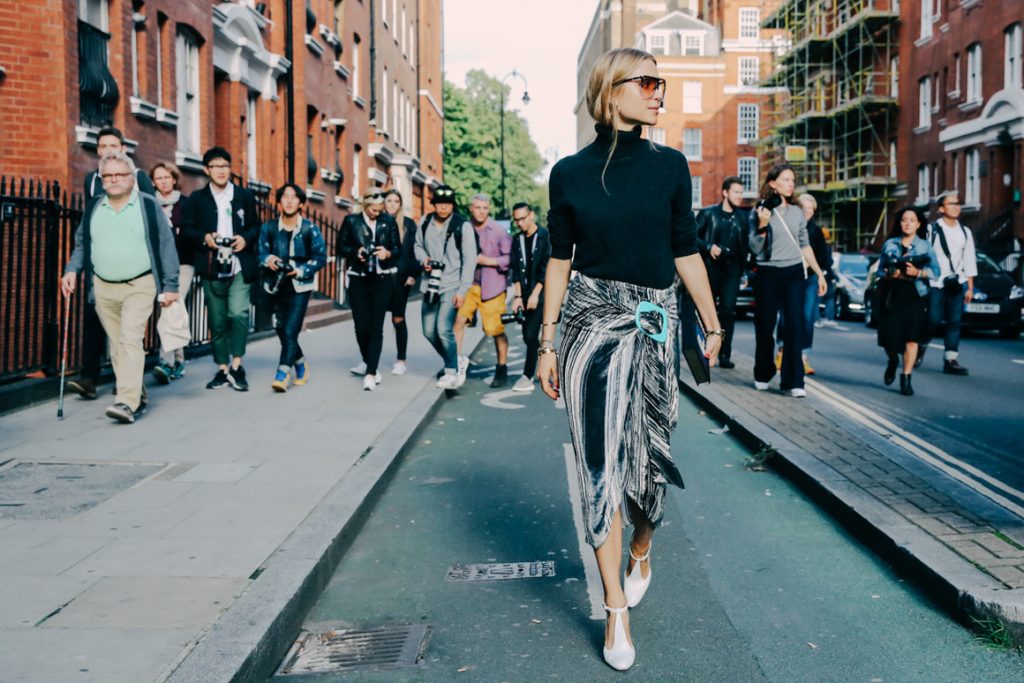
(691, 339)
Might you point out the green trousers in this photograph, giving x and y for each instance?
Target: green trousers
(227, 307)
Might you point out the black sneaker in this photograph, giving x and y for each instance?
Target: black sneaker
(952, 367)
(86, 388)
(219, 381)
(162, 373)
(500, 377)
(726, 363)
(121, 413)
(236, 378)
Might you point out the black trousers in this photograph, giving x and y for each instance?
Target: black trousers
(94, 343)
(289, 310)
(775, 290)
(725, 287)
(531, 337)
(370, 297)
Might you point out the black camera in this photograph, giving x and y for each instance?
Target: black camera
(900, 264)
(433, 293)
(275, 278)
(224, 263)
(952, 284)
(372, 262)
(516, 317)
(771, 202)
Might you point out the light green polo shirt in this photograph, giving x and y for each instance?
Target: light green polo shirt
(119, 250)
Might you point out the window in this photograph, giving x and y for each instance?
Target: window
(95, 13)
(384, 102)
(748, 171)
(956, 74)
(972, 190)
(926, 19)
(923, 191)
(356, 172)
(394, 19)
(974, 73)
(339, 18)
(693, 44)
(894, 77)
(356, 59)
(188, 93)
(137, 46)
(750, 22)
(924, 109)
(97, 87)
(695, 200)
(1014, 50)
(405, 26)
(412, 42)
(692, 143)
(250, 138)
(396, 112)
(892, 160)
(750, 68)
(691, 97)
(656, 45)
(747, 123)
(935, 92)
(161, 25)
(658, 136)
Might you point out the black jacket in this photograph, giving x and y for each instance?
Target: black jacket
(199, 218)
(356, 234)
(407, 264)
(715, 226)
(94, 186)
(822, 252)
(541, 253)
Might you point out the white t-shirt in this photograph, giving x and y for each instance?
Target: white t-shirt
(225, 225)
(961, 248)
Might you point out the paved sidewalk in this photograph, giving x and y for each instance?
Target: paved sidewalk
(967, 550)
(121, 546)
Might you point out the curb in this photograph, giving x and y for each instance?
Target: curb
(965, 592)
(251, 637)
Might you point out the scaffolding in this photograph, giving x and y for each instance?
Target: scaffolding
(833, 112)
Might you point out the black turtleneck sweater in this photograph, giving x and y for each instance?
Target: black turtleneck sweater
(632, 228)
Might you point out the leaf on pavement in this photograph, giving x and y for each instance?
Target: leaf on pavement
(812, 646)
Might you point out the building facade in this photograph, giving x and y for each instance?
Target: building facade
(962, 109)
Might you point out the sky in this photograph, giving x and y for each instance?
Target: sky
(538, 38)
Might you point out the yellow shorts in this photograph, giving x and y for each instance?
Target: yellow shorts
(490, 310)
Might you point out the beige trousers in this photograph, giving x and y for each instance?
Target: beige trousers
(124, 309)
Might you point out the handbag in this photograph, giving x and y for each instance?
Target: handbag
(691, 339)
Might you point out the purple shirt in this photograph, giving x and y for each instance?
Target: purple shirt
(495, 243)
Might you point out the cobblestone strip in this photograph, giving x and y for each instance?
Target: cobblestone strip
(958, 528)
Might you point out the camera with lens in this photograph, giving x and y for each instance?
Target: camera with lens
(275, 278)
(433, 293)
(900, 264)
(516, 317)
(771, 202)
(370, 254)
(225, 257)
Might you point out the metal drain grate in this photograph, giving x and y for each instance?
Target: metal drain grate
(501, 571)
(370, 649)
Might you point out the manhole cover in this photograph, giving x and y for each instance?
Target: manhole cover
(501, 571)
(37, 490)
(339, 651)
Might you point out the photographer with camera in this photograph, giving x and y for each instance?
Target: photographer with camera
(370, 244)
(531, 249)
(905, 266)
(291, 251)
(405, 278)
(952, 283)
(722, 241)
(778, 240)
(448, 255)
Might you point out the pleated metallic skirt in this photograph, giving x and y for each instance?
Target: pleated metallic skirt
(622, 397)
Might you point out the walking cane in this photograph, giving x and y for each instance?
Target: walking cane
(64, 356)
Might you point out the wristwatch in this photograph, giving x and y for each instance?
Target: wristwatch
(720, 333)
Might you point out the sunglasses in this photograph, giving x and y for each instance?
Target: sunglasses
(650, 86)
(376, 197)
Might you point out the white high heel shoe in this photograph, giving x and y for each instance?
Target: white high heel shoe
(621, 654)
(634, 584)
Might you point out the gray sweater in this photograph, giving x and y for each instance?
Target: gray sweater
(784, 251)
(458, 272)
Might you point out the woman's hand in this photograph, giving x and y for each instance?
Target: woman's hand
(763, 217)
(547, 373)
(273, 262)
(822, 284)
(383, 254)
(912, 271)
(712, 345)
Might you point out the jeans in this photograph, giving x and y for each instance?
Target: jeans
(830, 300)
(775, 290)
(531, 337)
(289, 312)
(370, 296)
(227, 306)
(948, 307)
(725, 287)
(438, 324)
(810, 311)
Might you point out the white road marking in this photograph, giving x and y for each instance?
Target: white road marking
(1018, 361)
(979, 481)
(592, 574)
(495, 399)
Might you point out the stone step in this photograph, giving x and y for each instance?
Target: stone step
(323, 312)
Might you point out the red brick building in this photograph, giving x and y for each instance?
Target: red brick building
(962, 111)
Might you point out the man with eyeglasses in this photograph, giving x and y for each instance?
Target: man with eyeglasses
(109, 140)
(953, 286)
(531, 249)
(126, 249)
(220, 221)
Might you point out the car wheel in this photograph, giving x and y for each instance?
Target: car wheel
(1010, 332)
(869, 313)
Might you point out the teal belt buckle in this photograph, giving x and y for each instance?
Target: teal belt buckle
(653, 327)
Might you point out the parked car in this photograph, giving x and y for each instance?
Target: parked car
(851, 271)
(997, 302)
(745, 298)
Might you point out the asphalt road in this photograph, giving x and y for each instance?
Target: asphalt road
(751, 581)
(977, 419)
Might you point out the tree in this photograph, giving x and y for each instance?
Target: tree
(472, 148)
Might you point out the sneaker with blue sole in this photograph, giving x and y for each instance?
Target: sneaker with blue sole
(280, 383)
(301, 373)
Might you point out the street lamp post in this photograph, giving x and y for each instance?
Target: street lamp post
(526, 100)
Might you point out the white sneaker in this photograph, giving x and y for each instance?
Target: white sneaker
(359, 369)
(524, 383)
(463, 365)
(399, 368)
(798, 393)
(761, 386)
(377, 378)
(368, 383)
(448, 381)
(818, 324)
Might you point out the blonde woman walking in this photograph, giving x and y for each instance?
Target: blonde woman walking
(620, 216)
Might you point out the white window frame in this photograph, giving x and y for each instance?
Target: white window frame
(1013, 51)
(394, 20)
(96, 13)
(405, 28)
(893, 160)
(357, 80)
(923, 190)
(924, 107)
(384, 120)
(187, 69)
(251, 146)
(747, 124)
(692, 100)
(750, 23)
(687, 35)
(396, 110)
(693, 149)
(657, 50)
(695, 193)
(894, 77)
(749, 71)
(357, 172)
(134, 28)
(926, 19)
(747, 170)
(658, 136)
(956, 79)
(159, 44)
(972, 178)
(974, 73)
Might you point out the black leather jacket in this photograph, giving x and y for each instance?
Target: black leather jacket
(356, 234)
(715, 226)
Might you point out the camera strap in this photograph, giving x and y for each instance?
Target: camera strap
(937, 230)
(803, 259)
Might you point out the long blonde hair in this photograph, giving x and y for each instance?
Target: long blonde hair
(610, 67)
